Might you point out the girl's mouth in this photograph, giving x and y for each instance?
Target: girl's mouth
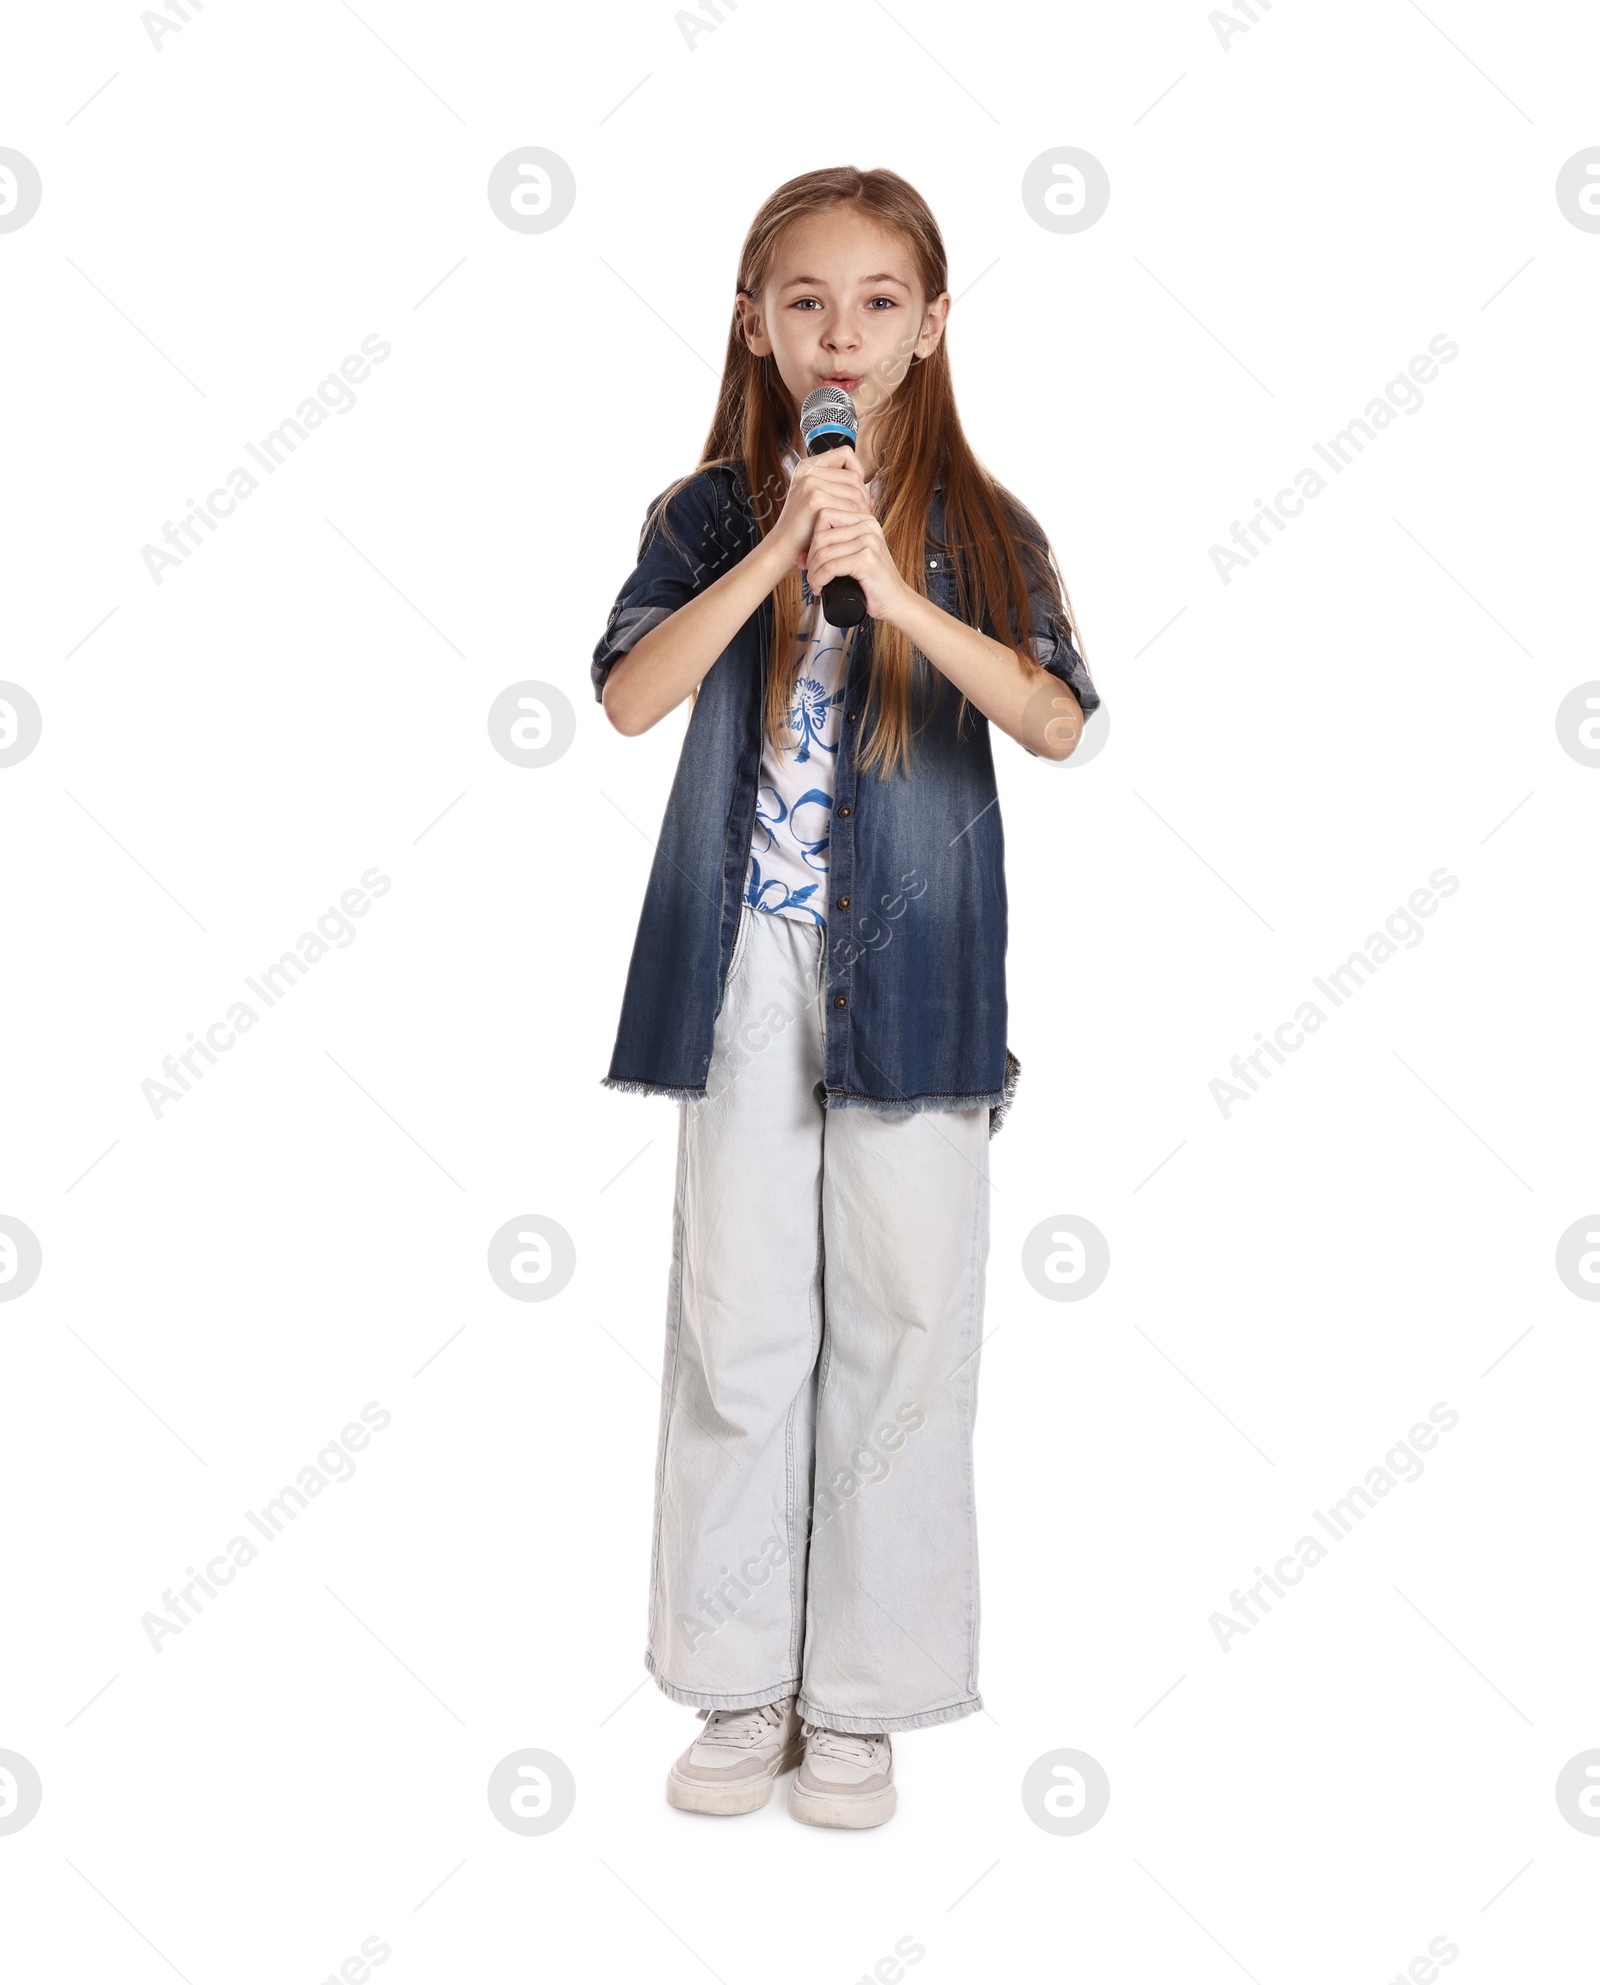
(847, 380)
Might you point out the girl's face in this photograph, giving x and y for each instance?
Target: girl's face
(841, 307)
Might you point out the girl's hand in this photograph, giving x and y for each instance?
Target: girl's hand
(845, 541)
(831, 481)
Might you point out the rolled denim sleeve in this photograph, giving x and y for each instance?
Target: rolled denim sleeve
(671, 570)
(1049, 631)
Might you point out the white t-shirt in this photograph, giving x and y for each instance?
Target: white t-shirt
(788, 871)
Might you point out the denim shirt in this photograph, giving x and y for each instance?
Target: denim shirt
(913, 962)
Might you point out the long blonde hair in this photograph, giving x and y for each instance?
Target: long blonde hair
(919, 443)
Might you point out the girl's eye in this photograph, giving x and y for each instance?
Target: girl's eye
(803, 303)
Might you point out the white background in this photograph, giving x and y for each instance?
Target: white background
(1290, 756)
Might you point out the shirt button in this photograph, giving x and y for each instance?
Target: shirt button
(840, 1000)
(843, 903)
(843, 811)
(851, 715)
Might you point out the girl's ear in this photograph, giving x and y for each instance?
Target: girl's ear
(756, 340)
(939, 311)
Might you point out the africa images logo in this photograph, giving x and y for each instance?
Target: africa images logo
(1402, 395)
(334, 395)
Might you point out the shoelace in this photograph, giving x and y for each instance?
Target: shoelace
(845, 1746)
(740, 1728)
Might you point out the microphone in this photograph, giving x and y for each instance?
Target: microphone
(828, 420)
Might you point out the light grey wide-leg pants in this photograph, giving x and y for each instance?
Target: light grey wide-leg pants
(814, 1520)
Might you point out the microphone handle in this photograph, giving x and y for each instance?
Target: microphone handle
(843, 602)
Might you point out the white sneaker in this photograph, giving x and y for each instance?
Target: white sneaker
(732, 1766)
(846, 1780)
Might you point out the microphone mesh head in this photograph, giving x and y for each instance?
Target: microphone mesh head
(828, 406)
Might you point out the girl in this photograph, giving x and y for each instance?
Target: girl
(819, 978)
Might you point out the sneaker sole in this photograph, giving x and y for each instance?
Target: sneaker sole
(840, 1809)
(745, 1795)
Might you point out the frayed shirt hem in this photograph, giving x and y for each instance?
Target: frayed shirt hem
(632, 1087)
(997, 1101)
(1008, 1094)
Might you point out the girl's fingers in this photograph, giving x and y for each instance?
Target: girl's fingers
(840, 492)
(836, 480)
(839, 551)
(832, 513)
